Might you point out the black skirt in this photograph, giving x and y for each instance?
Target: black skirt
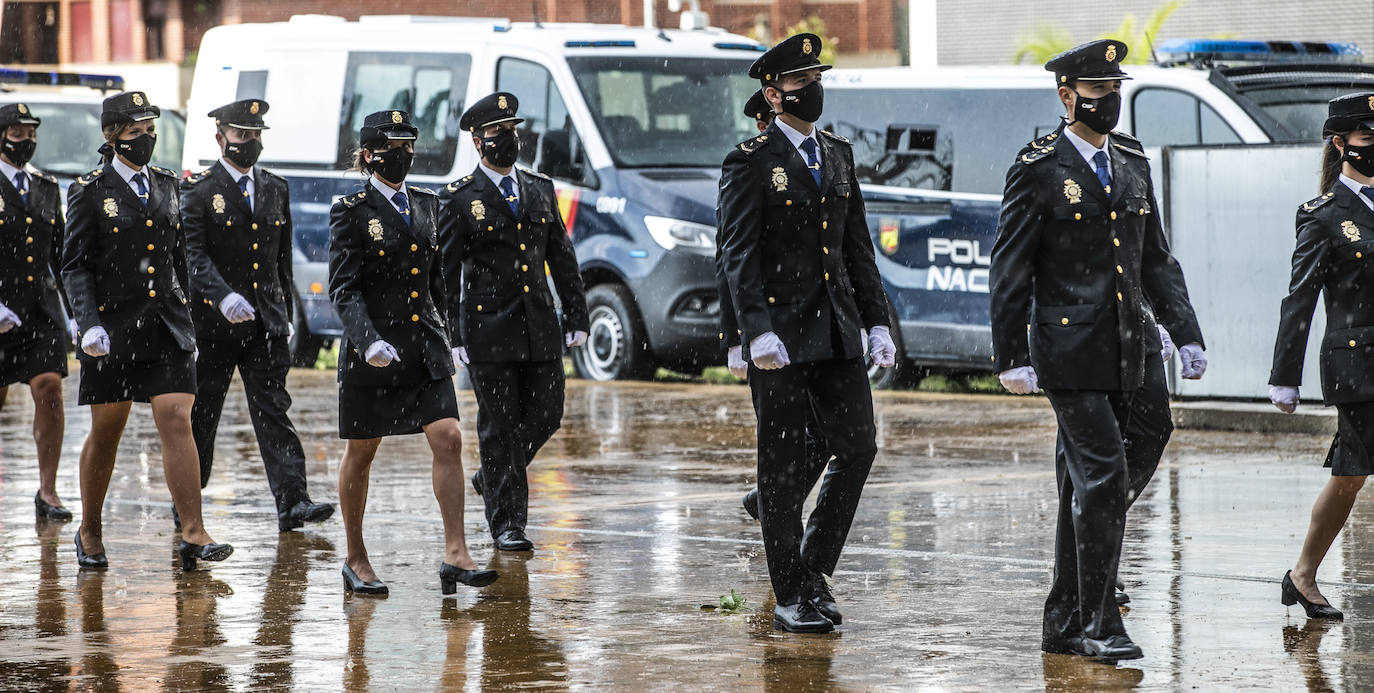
(374, 412)
(103, 382)
(1349, 454)
(32, 354)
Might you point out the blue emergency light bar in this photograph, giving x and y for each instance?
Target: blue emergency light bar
(1211, 51)
(61, 79)
(599, 44)
(741, 47)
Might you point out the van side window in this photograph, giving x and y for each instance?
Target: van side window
(1165, 117)
(548, 142)
(252, 85)
(429, 86)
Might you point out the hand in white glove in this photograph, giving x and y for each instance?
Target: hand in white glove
(734, 360)
(768, 353)
(96, 342)
(1169, 349)
(1194, 361)
(880, 346)
(8, 319)
(381, 354)
(1020, 380)
(236, 308)
(575, 339)
(290, 331)
(73, 330)
(1284, 397)
(460, 356)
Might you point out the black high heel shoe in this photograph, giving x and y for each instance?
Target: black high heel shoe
(353, 583)
(451, 575)
(86, 560)
(1290, 596)
(49, 511)
(189, 552)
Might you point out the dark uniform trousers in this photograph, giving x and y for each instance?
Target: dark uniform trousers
(235, 247)
(507, 321)
(798, 258)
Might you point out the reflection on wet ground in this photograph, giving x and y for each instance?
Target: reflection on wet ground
(637, 520)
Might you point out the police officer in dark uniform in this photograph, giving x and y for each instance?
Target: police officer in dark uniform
(238, 248)
(1335, 245)
(1081, 257)
(500, 225)
(33, 330)
(798, 257)
(124, 266)
(386, 280)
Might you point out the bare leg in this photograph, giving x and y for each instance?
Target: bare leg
(48, 424)
(446, 442)
(353, 477)
(97, 464)
(1328, 518)
(180, 463)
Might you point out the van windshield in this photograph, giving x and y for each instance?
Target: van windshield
(1300, 109)
(661, 111)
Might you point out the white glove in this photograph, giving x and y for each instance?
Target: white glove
(236, 308)
(880, 346)
(1194, 361)
(1020, 380)
(1284, 397)
(381, 354)
(768, 352)
(96, 342)
(290, 331)
(734, 360)
(460, 356)
(8, 319)
(73, 330)
(575, 339)
(1169, 349)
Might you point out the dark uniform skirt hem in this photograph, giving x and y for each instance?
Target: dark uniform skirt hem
(24, 360)
(395, 410)
(140, 381)
(1349, 453)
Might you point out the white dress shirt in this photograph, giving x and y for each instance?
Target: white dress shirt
(796, 138)
(387, 191)
(128, 175)
(235, 174)
(1351, 183)
(1087, 151)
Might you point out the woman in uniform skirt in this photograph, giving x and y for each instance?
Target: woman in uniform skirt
(395, 363)
(124, 266)
(33, 331)
(1334, 256)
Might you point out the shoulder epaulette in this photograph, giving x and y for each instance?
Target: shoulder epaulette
(537, 174)
(1126, 147)
(86, 179)
(354, 199)
(164, 171)
(422, 191)
(752, 144)
(833, 136)
(1318, 201)
(43, 176)
(197, 177)
(1038, 149)
(269, 174)
(459, 184)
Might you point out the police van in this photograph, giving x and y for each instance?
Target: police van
(932, 147)
(631, 123)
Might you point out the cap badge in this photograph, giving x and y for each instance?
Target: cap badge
(479, 211)
(253, 108)
(138, 99)
(501, 102)
(1351, 231)
(1371, 104)
(374, 229)
(806, 46)
(111, 207)
(1072, 191)
(1111, 52)
(779, 179)
(23, 110)
(395, 116)
(217, 203)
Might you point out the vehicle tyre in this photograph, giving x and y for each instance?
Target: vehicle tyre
(617, 345)
(305, 347)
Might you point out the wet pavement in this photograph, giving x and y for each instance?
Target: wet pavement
(636, 517)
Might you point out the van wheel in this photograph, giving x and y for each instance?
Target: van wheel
(617, 347)
(902, 374)
(305, 347)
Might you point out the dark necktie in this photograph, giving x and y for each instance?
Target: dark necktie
(809, 146)
(402, 205)
(512, 199)
(21, 183)
(1367, 191)
(1104, 173)
(139, 179)
(243, 188)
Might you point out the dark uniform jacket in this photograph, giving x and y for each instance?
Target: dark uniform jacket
(1333, 257)
(1083, 268)
(230, 249)
(386, 281)
(31, 256)
(798, 258)
(124, 263)
(505, 310)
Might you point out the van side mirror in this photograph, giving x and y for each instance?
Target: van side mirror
(556, 158)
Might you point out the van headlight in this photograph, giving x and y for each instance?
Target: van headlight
(676, 233)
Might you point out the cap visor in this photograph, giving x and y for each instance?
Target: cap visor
(1342, 123)
(819, 66)
(499, 121)
(249, 127)
(23, 120)
(144, 115)
(1105, 78)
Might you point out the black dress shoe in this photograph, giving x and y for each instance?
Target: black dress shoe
(1054, 645)
(514, 540)
(451, 575)
(189, 553)
(1112, 648)
(353, 583)
(477, 484)
(303, 512)
(47, 511)
(801, 617)
(1290, 596)
(824, 601)
(751, 503)
(86, 560)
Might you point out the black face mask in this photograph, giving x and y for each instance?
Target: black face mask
(139, 150)
(1360, 158)
(805, 103)
(392, 164)
(1101, 114)
(19, 152)
(501, 149)
(243, 154)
